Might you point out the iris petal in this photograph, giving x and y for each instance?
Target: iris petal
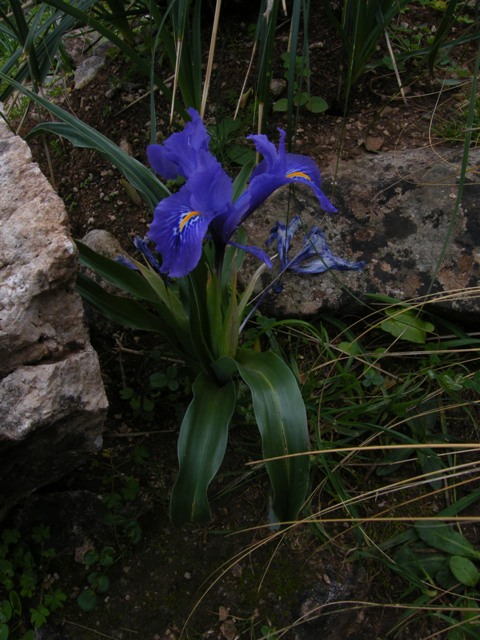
(178, 231)
(282, 235)
(142, 246)
(254, 251)
(182, 153)
(320, 257)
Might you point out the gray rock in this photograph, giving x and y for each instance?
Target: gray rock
(52, 400)
(37, 264)
(87, 70)
(88, 65)
(396, 212)
(103, 242)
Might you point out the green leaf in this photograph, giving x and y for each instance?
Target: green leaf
(87, 600)
(90, 558)
(82, 135)
(107, 557)
(41, 533)
(116, 273)
(125, 311)
(55, 601)
(430, 462)
(15, 602)
(38, 616)
(201, 448)
(241, 181)
(133, 532)
(414, 562)
(10, 536)
(5, 611)
(281, 105)
(317, 104)
(239, 154)
(405, 324)
(281, 418)
(444, 577)
(391, 460)
(4, 632)
(464, 571)
(102, 583)
(441, 536)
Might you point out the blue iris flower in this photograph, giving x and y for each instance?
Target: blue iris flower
(315, 255)
(204, 204)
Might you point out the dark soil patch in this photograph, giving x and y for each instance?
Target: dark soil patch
(235, 577)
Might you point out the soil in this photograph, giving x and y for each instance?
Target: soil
(234, 577)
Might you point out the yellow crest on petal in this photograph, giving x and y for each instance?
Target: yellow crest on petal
(298, 174)
(185, 219)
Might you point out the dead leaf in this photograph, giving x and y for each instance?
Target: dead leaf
(223, 613)
(373, 144)
(229, 630)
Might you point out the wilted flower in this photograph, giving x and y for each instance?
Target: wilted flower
(315, 255)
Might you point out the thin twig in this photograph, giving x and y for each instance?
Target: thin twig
(395, 68)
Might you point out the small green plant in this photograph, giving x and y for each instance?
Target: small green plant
(450, 125)
(166, 385)
(223, 138)
(268, 632)
(301, 89)
(406, 324)
(360, 28)
(57, 147)
(97, 564)
(440, 559)
(119, 499)
(26, 598)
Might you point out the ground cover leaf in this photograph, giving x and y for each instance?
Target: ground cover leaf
(440, 536)
(464, 570)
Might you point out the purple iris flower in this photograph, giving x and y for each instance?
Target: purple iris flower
(204, 204)
(315, 255)
(279, 168)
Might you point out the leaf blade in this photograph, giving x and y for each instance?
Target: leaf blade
(440, 536)
(282, 422)
(201, 448)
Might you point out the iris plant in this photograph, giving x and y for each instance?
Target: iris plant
(187, 294)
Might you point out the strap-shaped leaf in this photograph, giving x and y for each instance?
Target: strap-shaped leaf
(116, 273)
(282, 421)
(125, 311)
(201, 448)
(82, 135)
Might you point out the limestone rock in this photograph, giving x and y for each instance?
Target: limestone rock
(88, 67)
(103, 242)
(51, 416)
(39, 308)
(52, 400)
(396, 212)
